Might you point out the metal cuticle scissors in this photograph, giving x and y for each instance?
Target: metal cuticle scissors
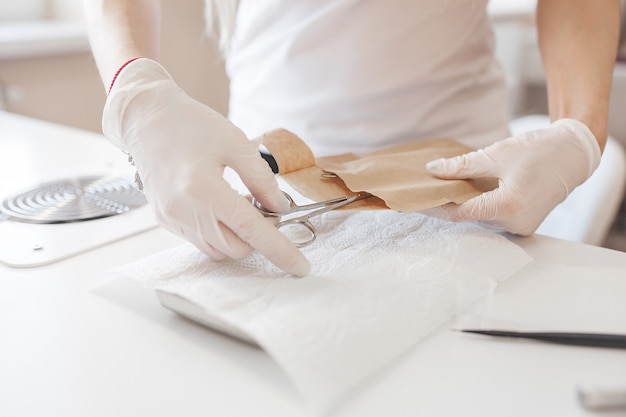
(304, 221)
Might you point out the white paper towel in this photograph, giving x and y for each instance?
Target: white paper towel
(380, 282)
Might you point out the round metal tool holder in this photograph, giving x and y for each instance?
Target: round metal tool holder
(73, 200)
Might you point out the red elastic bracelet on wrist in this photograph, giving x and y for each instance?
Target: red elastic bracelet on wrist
(120, 70)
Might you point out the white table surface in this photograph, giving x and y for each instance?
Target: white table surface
(68, 351)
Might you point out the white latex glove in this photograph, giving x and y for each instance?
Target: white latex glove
(180, 148)
(536, 171)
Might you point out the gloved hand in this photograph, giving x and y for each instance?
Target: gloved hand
(180, 148)
(536, 171)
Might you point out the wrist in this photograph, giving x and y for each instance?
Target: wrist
(132, 93)
(119, 70)
(135, 73)
(596, 120)
(586, 140)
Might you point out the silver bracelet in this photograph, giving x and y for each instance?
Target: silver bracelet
(137, 177)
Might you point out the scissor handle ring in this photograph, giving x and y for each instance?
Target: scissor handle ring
(306, 224)
(268, 213)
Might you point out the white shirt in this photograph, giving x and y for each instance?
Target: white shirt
(357, 75)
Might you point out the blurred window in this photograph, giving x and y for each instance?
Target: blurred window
(22, 10)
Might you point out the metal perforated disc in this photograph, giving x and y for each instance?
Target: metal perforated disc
(73, 200)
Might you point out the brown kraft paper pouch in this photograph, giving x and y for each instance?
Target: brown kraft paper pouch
(396, 176)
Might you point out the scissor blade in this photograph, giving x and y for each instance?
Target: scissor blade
(320, 204)
(346, 200)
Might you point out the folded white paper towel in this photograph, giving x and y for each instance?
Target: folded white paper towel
(380, 282)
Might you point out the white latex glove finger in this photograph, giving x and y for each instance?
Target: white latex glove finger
(260, 233)
(237, 229)
(180, 148)
(247, 163)
(223, 243)
(536, 171)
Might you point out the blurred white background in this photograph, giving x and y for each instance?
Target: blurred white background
(47, 72)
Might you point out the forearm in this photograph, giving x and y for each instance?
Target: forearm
(120, 30)
(578, 41)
